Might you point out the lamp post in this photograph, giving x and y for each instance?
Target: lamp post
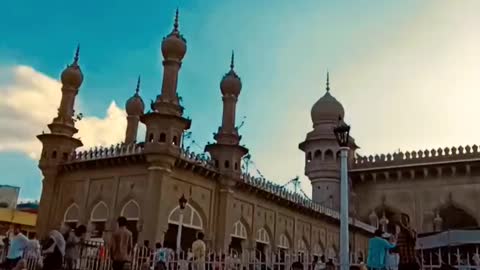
(342, 131)
(182, 202)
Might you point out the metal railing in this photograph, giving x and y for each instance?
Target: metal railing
(95, 256)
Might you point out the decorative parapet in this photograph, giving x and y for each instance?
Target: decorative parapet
(299, 199)
(199, 159)
(101, 152)
(120, 150)
(418, 157)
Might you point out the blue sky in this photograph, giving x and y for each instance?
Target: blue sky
(384, 56)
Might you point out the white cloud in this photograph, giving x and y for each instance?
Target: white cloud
(29, 101)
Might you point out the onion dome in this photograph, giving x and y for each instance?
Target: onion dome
(72, 75)
(231, 83)
(174, 46)
(134, 105)
(327, 108)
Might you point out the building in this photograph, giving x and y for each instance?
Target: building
(145, 181)
(23, 214)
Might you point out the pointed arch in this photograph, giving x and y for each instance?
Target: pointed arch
(131, 210)
(456, 216)
(99, 212)
(318, 249)
(283, 241)
(302, 245)
(191, 217)
(263, 236)
(239, 230)
(72, 214)
(328, 155)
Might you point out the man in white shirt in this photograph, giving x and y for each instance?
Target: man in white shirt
(199, 250)
(17, 245)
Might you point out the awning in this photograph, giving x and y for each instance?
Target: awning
(449, 238)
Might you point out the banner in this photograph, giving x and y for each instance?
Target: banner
(9, 196)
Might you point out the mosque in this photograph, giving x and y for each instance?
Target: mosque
(159, 186)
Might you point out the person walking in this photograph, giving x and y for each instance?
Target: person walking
(54, 251)
(121, 245)
(72, 250)
(406, 241)
(18, 243)
(377, 248)
(199, 250)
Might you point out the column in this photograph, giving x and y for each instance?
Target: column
(224, 215)
(344, 217)
(154, 215)
(47, 201)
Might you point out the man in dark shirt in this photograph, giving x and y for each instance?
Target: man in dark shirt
(406, 242)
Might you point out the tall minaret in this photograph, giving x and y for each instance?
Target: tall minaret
(135, 108)
(165, 126)
(322, 160)
(226, 152)
(58, 144)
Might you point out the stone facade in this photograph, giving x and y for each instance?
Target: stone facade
(144, 181)
(438, 189)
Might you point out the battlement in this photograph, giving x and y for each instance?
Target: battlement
(297, 198)
(418, 157)
(120, 150)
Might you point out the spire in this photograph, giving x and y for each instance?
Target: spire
(77, 54)
(328, 81)
(175, 23)
(138, 86)
(232, 61)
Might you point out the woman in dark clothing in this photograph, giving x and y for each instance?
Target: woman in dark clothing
(54, 250)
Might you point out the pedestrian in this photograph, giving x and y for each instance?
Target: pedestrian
(72, 250)
(406, 241)
(121, 245)
(54, 250)
(17, 245)
(199, 250)
(161, 255)
(377, 248)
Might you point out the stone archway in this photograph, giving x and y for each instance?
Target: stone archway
(131, 211)
(238, 237)
(98, 219)
(72, 215)
(192, 223)
(455, 217)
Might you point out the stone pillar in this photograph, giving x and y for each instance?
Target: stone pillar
(155, 217)
(224, 217)
(47, 202)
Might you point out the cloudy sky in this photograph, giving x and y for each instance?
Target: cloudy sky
(407, 72)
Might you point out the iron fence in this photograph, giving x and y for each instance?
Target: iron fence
(95, 256)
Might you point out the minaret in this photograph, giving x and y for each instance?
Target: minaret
(58, 144)
(165, 126)
(135, 108)
(165, 123)
(322, 160)
(226, 152)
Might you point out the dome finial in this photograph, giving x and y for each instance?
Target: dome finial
(77, 54)
(232, 61)
(328, 81)
(175, 23)
(138, 85)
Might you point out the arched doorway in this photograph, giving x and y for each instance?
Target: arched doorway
(131, 211)
(302, 249)
(98, 219)
(262, 244)
(238, 236)
(192, 223)
(454, 217)
(71, 216)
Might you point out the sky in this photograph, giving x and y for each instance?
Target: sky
(407, 73)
